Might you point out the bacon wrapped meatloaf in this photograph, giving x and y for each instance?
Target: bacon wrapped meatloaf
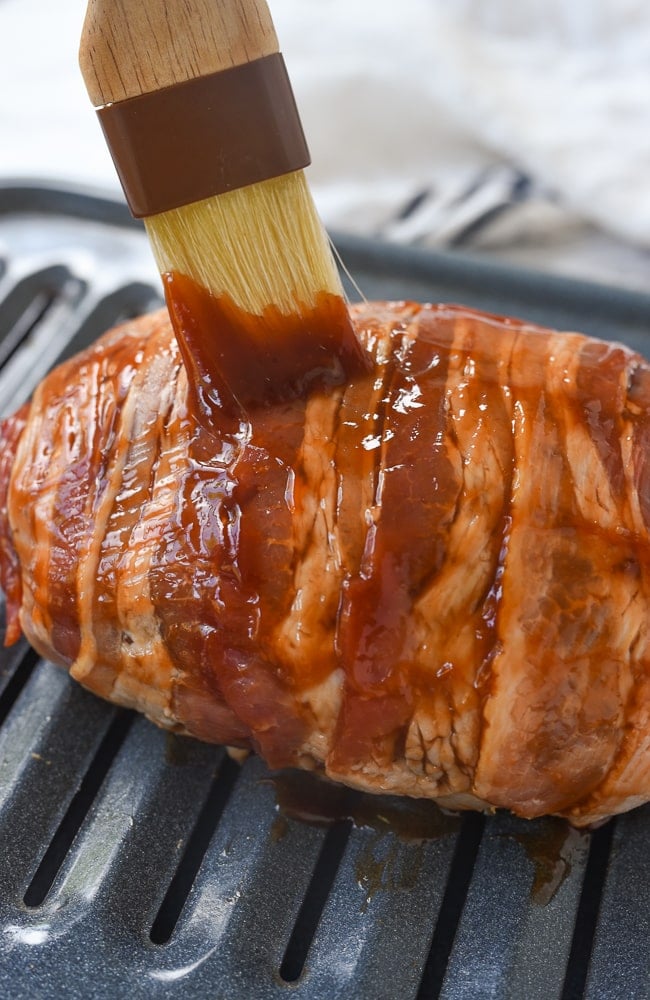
(433, 580)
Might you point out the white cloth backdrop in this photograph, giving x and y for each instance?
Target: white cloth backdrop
(519, 129)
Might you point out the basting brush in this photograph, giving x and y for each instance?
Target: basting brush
(197, 109)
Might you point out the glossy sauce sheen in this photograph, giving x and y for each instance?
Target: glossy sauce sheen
(250, 378)
(423, 567)
(233, 357)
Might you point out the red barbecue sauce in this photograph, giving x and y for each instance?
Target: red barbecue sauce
(251, 380)
(260, 360)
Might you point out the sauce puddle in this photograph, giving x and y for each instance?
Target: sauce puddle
(551, 845)
(552, 850)
(316, 800)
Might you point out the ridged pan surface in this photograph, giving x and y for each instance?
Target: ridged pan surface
(136, 864)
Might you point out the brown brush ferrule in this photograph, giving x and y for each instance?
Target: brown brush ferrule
(205, 136)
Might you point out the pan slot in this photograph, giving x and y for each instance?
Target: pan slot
(588, 910)
(325, 872)
(183, 880)
(524, 895)
(34, 337)
(29, 301)
(126, 303)
(375, 929)
(460, 877)
(14, 675)
(239, 915)
(67, 830)
(620, 959)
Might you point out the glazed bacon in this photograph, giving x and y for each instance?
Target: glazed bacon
(434, 580)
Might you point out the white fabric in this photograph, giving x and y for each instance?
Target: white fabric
(543, 105)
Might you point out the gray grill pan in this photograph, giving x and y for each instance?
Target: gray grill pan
(135, 864)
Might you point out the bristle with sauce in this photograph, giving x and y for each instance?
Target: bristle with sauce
(261, 245)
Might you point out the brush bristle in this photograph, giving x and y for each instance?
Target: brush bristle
(261, 245)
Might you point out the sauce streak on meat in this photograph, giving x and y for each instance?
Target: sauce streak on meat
(249, 381)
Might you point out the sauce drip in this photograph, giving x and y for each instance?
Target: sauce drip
(314, 800)
(552, 847)
(230, 354)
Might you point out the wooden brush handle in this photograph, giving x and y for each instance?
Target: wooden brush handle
(131, 47)
(193, 97)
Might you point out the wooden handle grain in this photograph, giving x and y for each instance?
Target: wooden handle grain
(131, 47)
